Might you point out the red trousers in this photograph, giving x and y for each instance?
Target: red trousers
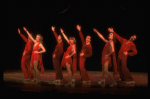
(25, 66)
(123, 70)
(57, 67)
(83, 72)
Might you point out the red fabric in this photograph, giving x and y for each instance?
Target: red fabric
(57, 67)
(38, 57)
(83, 72)
(74, 63)
(86, 49)
(56, 61)
(25, 66)
(25, 62)
(127, 47)
(123, 70)
(69, 60)
(59, 47)
(106, 51)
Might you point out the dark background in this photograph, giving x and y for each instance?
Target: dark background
(38, 17)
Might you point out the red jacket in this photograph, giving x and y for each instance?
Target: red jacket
(86, 49)
(127, 47)
(59, 47)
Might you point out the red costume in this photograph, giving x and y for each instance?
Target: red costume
(36, 56)
(56, 61)
(106, 51)
(25, 62)
(87, 50)
(122, 58)
(69, 60)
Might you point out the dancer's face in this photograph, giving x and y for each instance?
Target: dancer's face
(38, 38)
(132, 38)
(110, 36)
(71, 41)
(88, 38)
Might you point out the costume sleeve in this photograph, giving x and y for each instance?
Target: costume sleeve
(134, 51)
(120, 39)
(29, 47)
(89, 54)
(59, 50)
(81, 37)
(55, 34)
(24, 38)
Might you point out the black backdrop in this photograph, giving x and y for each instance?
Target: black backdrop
(38, 17)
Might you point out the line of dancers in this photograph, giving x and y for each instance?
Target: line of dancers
(32, 57)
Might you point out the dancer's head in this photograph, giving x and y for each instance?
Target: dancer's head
(88, 39)
(111, 36)
(72, 40)
(133, 38)
(39, 38)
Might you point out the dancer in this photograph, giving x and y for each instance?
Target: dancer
(126, 45)
(56, 57)
(36, 57)
(25, 61)
(108, 50)
(67, 60)
(86, 52)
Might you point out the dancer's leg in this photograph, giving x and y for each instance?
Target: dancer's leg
(107, 72)
(36, 70)
(68, 66)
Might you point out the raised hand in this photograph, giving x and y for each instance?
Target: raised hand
(53, 28)
(110, 29)
(61, 30)
(18, 30)
(24, 28)
(95, 30)
(78, 27)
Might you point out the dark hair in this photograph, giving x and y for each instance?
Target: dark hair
(114, 37)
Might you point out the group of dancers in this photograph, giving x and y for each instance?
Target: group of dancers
(32, 57)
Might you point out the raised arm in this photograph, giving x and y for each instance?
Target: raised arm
(80, 34)
(23, 37)
(64, 35)
(29, 35)
(120, 39)
(54, 32)
(99, 34)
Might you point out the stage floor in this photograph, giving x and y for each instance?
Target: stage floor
(14, 84)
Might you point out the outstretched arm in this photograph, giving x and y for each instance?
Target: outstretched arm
(99, 34)
(54, 32)
(29, 35)
(64, 35)
(23, 37)
(80, 34)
